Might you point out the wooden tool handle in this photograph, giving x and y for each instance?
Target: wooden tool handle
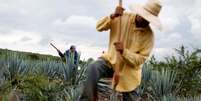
(54, 47)
(120, 3)
(118, 64)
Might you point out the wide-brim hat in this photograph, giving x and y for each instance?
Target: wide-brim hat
(149, 11)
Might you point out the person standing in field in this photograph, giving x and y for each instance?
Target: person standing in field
(70, 56)
(137, 41)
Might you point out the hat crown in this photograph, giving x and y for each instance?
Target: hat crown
(153, 6)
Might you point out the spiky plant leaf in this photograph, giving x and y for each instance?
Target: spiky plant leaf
(163, 83)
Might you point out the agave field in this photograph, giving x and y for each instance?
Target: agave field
(25, 78)
(38, 80)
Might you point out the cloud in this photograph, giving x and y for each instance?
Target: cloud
(194, 16)
(170, 20)
(30, 25)
(76, 24)
(20, 37)
(25, 38)
(180, 19)
(161, 53)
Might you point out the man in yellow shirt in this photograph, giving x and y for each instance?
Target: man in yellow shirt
(135, 45)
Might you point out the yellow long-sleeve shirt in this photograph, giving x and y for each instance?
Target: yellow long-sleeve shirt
(138, 43)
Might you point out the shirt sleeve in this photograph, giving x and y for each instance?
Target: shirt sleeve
(104, 24)
(137, 58)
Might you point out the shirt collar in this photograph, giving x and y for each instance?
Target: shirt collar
(139, 28)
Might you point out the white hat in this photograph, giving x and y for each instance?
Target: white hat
(149, 11)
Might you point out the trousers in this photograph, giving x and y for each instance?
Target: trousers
(95, 71)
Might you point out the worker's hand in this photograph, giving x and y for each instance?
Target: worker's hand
(118, 12)
(119, 47)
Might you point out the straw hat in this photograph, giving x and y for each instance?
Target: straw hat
(149, 11)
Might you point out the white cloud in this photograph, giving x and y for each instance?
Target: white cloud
(169, 19)
(75, 22)
(170, 40)
(175, 16)
(194, 16)
(29, 25)
(21, 40)
(20, 37)
(160, 53)
(195, 28)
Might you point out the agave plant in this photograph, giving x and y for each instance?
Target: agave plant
(51, 69)
(11, 68)
(179, 98)
(187, 65)
(72, 93)
(163, 83)
(52, 80)
(169, 98)
(21, 75)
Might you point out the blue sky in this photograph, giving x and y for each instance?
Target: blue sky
(30, 25)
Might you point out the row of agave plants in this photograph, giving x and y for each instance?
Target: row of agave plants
(155, 86)
(177, 78)
(28, 80)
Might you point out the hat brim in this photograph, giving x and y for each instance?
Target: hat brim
(139, 9)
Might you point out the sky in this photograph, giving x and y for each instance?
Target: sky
(30, 25)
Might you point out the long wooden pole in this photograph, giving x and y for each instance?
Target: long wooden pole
(54, 46)
(114, 96)
(118, 63)
(119, 37)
